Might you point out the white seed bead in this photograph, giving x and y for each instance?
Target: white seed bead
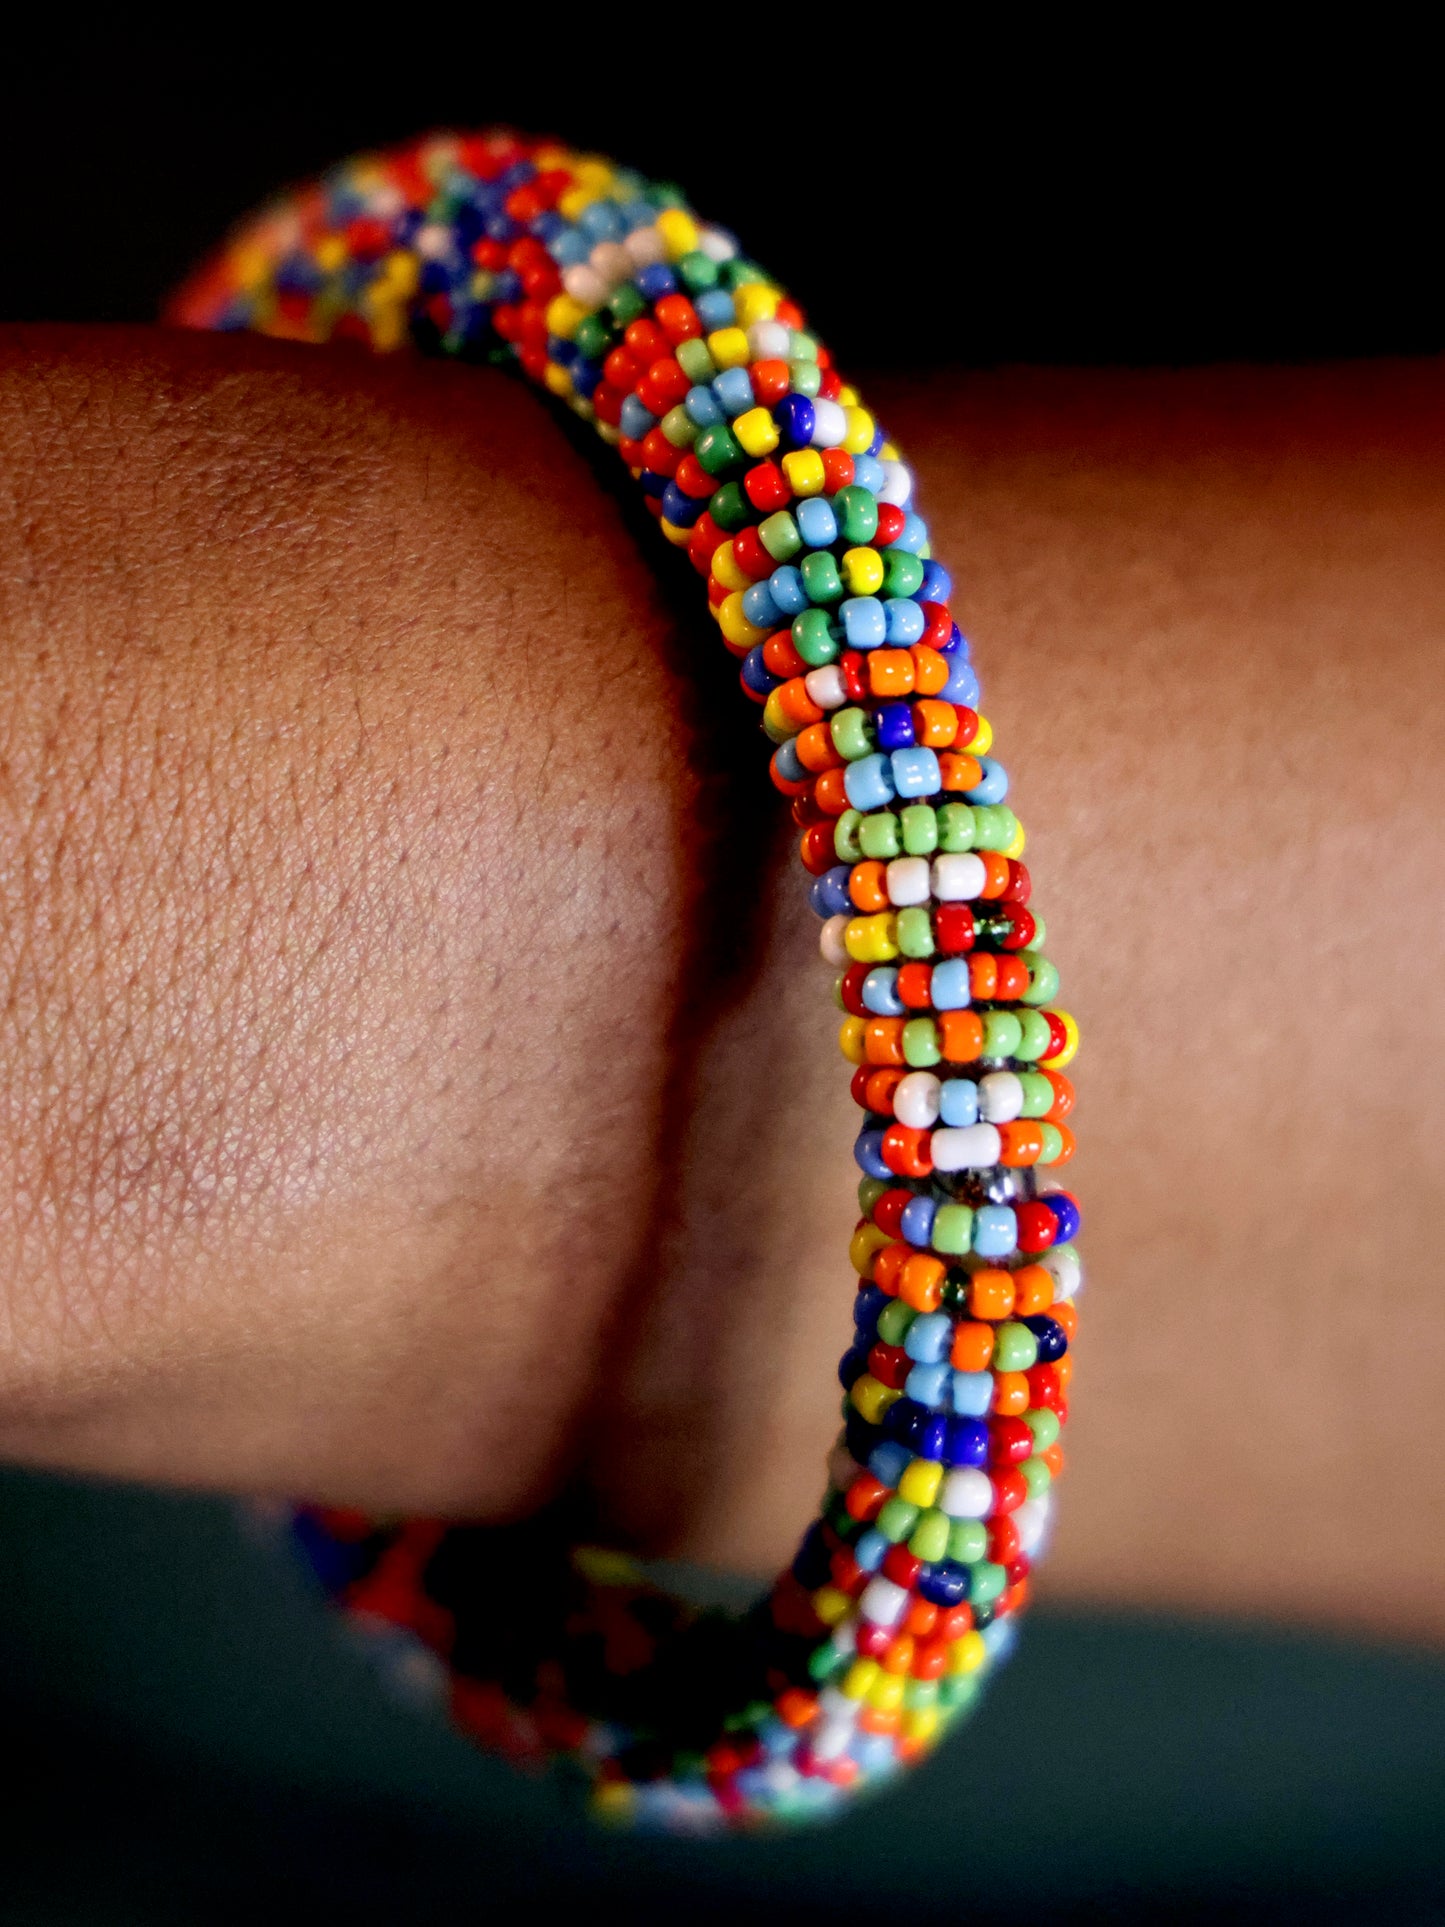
(831, 1738)
(1032, 1520)
(834, 1704)
(1000, 1097)
(965, 1147)
(965, 1493)
(826, 687)
(830, 424)
(770, 340)
(717, 244)
(883, 1602)
(833, 944)
(897, 485)
(434, 241)
(915, 1103)
(958, 877)
(612, 262)
(908, 880)
(585, 284)
(645, 245)
(1066, 1269)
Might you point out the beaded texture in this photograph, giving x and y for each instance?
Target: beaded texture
(762, 465)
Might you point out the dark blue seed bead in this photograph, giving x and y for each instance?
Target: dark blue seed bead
(944, 1585)
(852, 1365)
(654, 281)
(828, 893)
(956, 648)
(937, 583)
(517, 175)
(565, 352)
(1066, 1215)
(794, 416)
(756, 674)
(933, 1436)
(682, 510)
(967, 1442)
(436, 277)
(507, 286)
(861, 1438)
(1052, 1339)
(810, 1566)
(336, 1562)
(894, 723)
(653, 484)
(501, 227)
(879, 438)
(905, 1420)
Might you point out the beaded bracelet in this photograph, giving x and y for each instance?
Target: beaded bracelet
(763, 465)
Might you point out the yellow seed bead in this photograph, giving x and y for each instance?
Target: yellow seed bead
(831, 1604)
(1071, 1044)
(851, 1033)
(576, 201)
(966, 1655)
(330, 253)
(859, 1679)
(778, 727)
(613, 1801)
(921, 1724)
(735, 625)
(558, 381)
(591, 170)
(860, 431)
(983, 742)
(679, 232)
(755, 301)
(678, 537)
(729, 348)
(864, 1245)
(847, 397)
(564, 315)
(872, 939)
(726, 570)
(757, 431)
(804, 470)
(888, 452)
(1016, 843)
(872, 1398)
(920, 1482)
(863, 571)
(885, 1695)
(388, 327)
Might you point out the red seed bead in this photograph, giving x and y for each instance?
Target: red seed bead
(852, 666)
(953, 929)
(891, 519)
(1004, 1543)
(1037, 1225)
(858, 1087)
(929, 1659)
(766, 487)
(817, 854)
(864, 1498)
(937, 624)
(851, 986)
(659, 455)
(1045, 1390)
(678, 318)
(750, 555)
(1011, 978)
(890, 1365)
(1019, 928)
(905, 1150)
(1010, 1488)
(771, 381)
(888, 1268)
(888, 1211)
(662, 387)
(1019, 887)
(899, 1564)
(1058, 1036)
(873, 1640)
(837, 470)
(693, 479)
(647, 343)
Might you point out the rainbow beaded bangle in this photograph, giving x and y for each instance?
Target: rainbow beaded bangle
(763, 465)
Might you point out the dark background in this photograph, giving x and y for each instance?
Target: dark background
(192, 1744)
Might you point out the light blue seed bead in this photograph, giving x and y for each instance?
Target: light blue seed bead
(929, 1337)
(715, 309)
(915, 535)
(635, 420)
(601, 221)
(867, 473)
(733, 391)
(916, 772)
(864, 623)
(916, 1219)
(880, 993)
(993, 788)
(570, 248)
(871, 1548)
(760, 608)
(995, 1231)
(999, 1637)
(868, 783)
(701, 406)
(817, 524)
(889, 1461)
(972, 1394)
(905, 622)
(962, 684)
(788, 763)
(950, 987)
(785, 586)
(929, 1385)
(958, 1099)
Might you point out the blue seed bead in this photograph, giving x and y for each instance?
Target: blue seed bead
(995, 1230)
(867, 473)
(569, 249)
(1000, 1637)
(758, 679)
(958, 1099)
(890, 1461)
(944, 1585)
(636, 420)
(585, 377)
(967, 1442)
(880, 992)
(871, 1548)
(894, 724)
(787, 763)
(972, 1393)
(868, 1303)
(904, 1422)
(928, 1384)
(950, 990)
(715, 309)
(929, 1337)
(682, 511)
(868, 1155)
(962, 684)
(916, 1224)
(852, 1365)
(785, 585)
(915, 772)
(868, 783)
(601, 221)
(865, 623)
(794, 416)
(733, 390)
(904, 621)
(874, 1754)
(1066, 1214)
(653, 484)
(828, 893)
(1052, 1338)
(914, 536)
(701, 406)
(994, 787)
(654, 281)
(812, 1559)
(817, 524)
(758, 604)
(937, 583)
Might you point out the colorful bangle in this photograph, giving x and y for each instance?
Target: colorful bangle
(764, 466)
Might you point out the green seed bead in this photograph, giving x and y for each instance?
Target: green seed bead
(697, 272)
(740, 271)
(731, 509)
(821, 580)
(1001, 1033)
(857, 512)
(838, 992)
(920, 1043)
(825, 1662)
(1043, 978)
(920, 829)
(626, 306)
(879, 836)
(952, 1229)
(1036, 1041)
(955, 1299)
(968, 1541)
(994, 826)
(805, 346)
(1037, 1477)
(919, 1693)
(718, 450)
(1051, 1144)
(778, 535)
(852, 733)
(893, 1322)
(1038, 1091)
(679, 427)
(902, 573)
(897, 1519)
(813, 637)
(805, 377)
(848, 848)
(955, 821)
(988, 1583)
(1044, 1425)
(870, 1190)
(958, 1690)
(929, 1539)
(594, 338)
(1015, 1349)
(915, 931)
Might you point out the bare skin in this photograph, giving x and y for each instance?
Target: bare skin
(411, 1099)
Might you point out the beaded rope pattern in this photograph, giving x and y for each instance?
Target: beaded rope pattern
(760, 463)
